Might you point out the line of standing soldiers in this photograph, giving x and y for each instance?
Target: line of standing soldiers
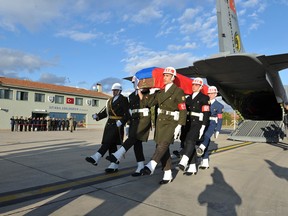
(40, 124)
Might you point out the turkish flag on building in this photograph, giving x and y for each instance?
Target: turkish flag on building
(70, 100)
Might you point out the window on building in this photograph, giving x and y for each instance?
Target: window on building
(58, 115)
(20, 95)
(59, 99)
(6, 94)
(79, 101)
(95, 103)
(39, 97)
(79, 118)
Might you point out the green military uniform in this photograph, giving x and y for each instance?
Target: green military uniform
(171, 112)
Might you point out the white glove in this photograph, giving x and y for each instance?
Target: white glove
(118, 123)
(127, 131)
(216, 134)
(201, 131)
(95, 116)
(153, 90)
(136, 81)
(177, 131)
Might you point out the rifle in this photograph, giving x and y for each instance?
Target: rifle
(94, 116)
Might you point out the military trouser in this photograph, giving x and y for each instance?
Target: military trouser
(190, 142)
(111, 147)
(207, 138)
(112, 137)
(162, 153)
(138, 148)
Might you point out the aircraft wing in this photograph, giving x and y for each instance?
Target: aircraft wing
(275, 62)
(190, 71)
(237, 71)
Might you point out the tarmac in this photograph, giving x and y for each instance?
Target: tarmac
(45, 173)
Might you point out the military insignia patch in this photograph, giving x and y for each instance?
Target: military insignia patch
(205, 108)
(182, 106)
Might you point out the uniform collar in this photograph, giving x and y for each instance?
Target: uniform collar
(194, 94)
(115, 98)
(168, 86)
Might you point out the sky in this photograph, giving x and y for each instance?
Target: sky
(83, 42)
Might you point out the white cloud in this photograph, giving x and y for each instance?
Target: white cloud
(78, 36)
(16, 61)
(200, 25)
(182, 47)
(167, 27)
(189, 14)
(52, 78)
(100, 17)
(249, 3)
(146, 15)
(140, 57)
(31, 13)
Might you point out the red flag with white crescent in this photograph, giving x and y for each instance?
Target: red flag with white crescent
(70, 100)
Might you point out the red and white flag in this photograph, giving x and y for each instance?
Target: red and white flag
(70, 100)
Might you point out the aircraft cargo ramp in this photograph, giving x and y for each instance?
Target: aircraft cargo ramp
(259, 131)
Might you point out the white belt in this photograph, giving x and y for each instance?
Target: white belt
(213, 118)
(145, 111)
(175, 114)
(200, 115)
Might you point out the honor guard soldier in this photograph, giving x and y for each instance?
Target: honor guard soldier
(139, 127)
(215, 124)
(117, 111)
(198, 111)
(171, 116)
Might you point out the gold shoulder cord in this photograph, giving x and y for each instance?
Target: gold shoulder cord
(111, 108)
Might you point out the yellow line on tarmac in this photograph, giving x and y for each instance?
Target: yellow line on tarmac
(62, 186)
(231, 147)
(66, 185)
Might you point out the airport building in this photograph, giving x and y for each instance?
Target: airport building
(26, 99)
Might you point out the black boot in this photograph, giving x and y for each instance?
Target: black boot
(145, 171)
(112, 158)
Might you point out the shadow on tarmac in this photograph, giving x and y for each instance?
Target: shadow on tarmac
(220, 197)
(280, 172)
(117, 197)
(282, 145)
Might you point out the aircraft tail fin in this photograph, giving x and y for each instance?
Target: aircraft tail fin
(228, 27)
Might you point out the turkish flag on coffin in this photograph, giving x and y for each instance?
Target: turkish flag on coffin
(70, 100)
(153, 78)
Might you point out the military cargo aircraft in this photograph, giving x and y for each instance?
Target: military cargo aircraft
(248, 82)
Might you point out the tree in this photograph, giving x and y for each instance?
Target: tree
(227, 118)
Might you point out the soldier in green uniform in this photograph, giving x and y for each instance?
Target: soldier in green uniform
(139, 127)
(117, 111)
(171, 116)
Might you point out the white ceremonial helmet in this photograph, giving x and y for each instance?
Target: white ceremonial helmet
(212, 89)
(170, 70)
(116, 86)
(198, 81)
